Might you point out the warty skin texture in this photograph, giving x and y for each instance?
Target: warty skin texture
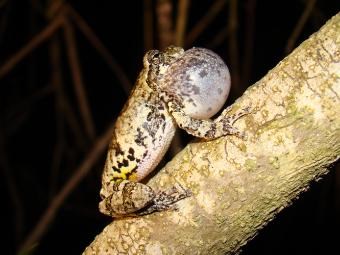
(175, 88)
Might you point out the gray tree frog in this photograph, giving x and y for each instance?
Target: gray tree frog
(175, 88)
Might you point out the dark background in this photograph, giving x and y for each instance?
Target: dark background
(40, 147)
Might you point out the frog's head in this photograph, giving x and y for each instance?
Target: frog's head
(157, 62)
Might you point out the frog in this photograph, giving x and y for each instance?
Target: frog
(175, 89)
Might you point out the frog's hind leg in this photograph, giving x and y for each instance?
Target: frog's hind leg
(125, 198)
(165, 200)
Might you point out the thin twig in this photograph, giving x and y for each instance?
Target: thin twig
(181, 22)
(71, 47)
(56, 81)
(31, 45)
(164, 23)
(18, 113)
(54, 7)
(73, 123)
(100, 47)
(204, 22)
(63, 107)
(56, 157)
(148, 25)
(299, 26)
(89, 160)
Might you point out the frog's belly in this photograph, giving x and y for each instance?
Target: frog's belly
(156, 152)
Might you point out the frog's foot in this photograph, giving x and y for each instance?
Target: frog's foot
(165, 200)
(228, 121)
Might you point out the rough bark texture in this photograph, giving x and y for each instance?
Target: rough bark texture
(238, 186)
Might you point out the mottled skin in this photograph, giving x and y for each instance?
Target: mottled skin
(175, 88)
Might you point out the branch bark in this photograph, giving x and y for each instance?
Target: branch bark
(238, 186)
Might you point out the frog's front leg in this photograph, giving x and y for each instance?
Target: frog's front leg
(166, 200)
(206, 128)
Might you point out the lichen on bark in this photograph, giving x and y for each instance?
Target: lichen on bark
(239, 185)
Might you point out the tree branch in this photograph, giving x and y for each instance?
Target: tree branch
(238, 186)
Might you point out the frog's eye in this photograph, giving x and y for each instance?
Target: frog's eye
(153, 57)
(156, 59)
